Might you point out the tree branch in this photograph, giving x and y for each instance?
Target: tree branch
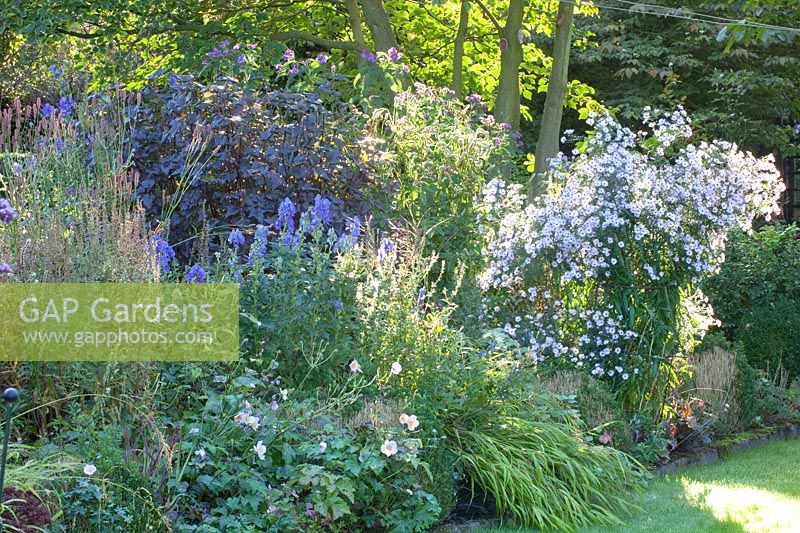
(315, 39)
(489, 15)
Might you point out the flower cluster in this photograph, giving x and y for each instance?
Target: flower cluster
(226, 50)
(628, 210)
(163, 251)
(7, 215)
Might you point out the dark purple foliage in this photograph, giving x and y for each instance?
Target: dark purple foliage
(263, 148)
(25, 512)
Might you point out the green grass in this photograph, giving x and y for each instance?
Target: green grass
(753, 491)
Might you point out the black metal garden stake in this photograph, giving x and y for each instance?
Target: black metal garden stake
(10, 395)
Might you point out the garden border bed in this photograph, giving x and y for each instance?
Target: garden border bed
(739, 443)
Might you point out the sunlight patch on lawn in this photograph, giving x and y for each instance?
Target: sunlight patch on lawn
(753, 509)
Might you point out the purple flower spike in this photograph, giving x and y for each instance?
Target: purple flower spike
(196, 274)
(236, 239)
(7, 213)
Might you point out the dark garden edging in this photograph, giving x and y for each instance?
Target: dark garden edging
(714, 452)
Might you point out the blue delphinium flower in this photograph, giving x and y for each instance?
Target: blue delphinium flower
(386, 249)
(286, 213)
(164, 253)
(47, 110)
(236, 239)
(66, 104)
(259, 247)
(5, 268)
(321, 212)
(337, 305)
(196, 274)
(7, 213)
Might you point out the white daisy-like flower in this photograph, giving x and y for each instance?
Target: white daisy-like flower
(241, 417)
(404, 419)
(201, 453)
(194, 431)
(260, 449)
(354, 366)
(389, 448)
(89, 469)
(412, 423)
(323, 446)
(252, 421)
(396, 368)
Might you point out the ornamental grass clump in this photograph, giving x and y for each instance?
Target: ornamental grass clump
(602, 271)
(543, 474)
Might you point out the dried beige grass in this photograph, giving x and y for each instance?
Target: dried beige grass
(714, 380)
(377, 413)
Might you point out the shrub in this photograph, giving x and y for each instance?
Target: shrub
(440, 153)
(238, 154)
(768, 334)
(259, 457)
(614, 290)
(759, 270)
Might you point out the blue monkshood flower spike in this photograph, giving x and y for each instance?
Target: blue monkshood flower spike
(47, 110)
(5, 268)
(56, 71)
(164, 252)
(196, 274)
(337, 305)
(286, 213)
(386, 249)
(259, 247)
(236, 239)
(321, 212)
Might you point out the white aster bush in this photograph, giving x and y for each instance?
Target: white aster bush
(601, 271)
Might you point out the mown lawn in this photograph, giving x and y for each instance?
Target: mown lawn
(753, 491)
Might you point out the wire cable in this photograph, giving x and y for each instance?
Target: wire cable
(663, 11)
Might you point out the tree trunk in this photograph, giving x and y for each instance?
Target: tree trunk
(507, 102)
(354, 15)
(379, 24)
(550, 132)
(458, 50)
